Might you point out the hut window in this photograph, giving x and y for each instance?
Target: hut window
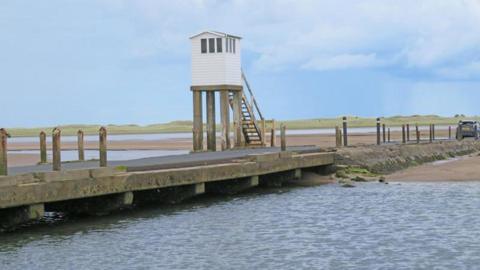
(204, 45)
(211, 45)
(219, 45)
(233, 42)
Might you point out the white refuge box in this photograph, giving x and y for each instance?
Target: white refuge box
(216, 61)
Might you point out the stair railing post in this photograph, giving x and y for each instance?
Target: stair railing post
(403, 134)
(3, 152)
(43, 147)
(103, 146)
(388, 135)
(56, 149)
(449, 132)
(263, 132)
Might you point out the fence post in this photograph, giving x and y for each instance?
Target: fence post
(417, 132)
(378, 131)
(408, 132)
(388, 137)
(345, 132)
(283, 137)
(103, 146)
(273, 138)
(3, 152)
(430, 133)
(384, 135)
(80, 144)
(338, 137)
(56, 150)
(449, 132)
(43, 147)
(403, 134)
(433, 132)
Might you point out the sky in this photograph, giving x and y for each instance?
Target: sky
(128, 62)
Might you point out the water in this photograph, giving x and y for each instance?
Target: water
(169, 136)
(372, 226)
(113, 155)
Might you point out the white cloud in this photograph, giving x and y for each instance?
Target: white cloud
(426, 35)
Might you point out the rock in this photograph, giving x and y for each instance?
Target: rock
(359, 179)
(381, 179)
(341, 174)
(346, 183)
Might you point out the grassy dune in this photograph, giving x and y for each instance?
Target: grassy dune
(186, 126)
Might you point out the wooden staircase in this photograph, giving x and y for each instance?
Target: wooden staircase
(251, 127)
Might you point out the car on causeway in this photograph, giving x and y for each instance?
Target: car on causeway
(468, 128)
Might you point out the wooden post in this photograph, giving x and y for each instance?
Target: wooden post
(430, 133)
(225, 118)
(102, 134)
(449, 132)
(80, 145)
(388, 137)
(273, 138)
(43, 147)
(433, 132)
(345, 134)
(384, 133)
(378, 132)
(197, 121)
(237, 118)
(264, 130)
(338, 137)
(211, 128)
(417, 132)
(3, 152)
(56, 150)
(283, 139)
(408, 132)
(403, 134)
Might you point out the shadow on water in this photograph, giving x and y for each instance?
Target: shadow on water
(58, 225)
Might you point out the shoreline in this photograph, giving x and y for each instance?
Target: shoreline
(457, 169)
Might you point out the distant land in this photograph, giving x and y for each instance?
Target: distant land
(186, 126)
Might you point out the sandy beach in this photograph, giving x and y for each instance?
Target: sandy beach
(456, 169)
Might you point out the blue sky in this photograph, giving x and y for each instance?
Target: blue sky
(120, 62)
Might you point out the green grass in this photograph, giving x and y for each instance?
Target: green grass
(186, 126)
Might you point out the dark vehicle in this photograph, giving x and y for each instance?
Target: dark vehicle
(468, 128)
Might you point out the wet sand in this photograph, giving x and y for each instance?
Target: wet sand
(457, 169)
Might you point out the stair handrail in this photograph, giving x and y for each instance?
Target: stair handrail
(252, 97)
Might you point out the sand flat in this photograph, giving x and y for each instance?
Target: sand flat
(465, 168)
